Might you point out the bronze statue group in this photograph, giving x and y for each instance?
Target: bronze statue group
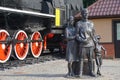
(82, 42)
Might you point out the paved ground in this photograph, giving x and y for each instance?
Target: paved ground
(56, 70)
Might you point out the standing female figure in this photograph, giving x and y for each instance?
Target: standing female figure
(71, 56)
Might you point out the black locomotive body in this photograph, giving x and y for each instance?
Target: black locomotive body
(37, 24)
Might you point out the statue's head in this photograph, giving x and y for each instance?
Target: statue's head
(71, 20)
(98, 37)
(84, 13)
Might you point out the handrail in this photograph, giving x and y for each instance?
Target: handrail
(25, 12)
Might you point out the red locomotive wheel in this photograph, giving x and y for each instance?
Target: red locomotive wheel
(5, 49)
(21, 48)
(36, 47)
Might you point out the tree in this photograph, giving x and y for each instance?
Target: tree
(88, 2)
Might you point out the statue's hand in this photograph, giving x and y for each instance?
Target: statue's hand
(105, 53)
(85, 41)
(81, 40)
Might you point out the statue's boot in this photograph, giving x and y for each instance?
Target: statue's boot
(73, 71)
(69, 70)
(91, 68)
(98, 71)
(81, 69)
(76, 68)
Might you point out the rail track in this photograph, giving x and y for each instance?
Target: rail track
(31, 60)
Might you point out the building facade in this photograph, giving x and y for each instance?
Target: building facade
(106, 17)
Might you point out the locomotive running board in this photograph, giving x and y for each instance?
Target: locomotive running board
(25, 12)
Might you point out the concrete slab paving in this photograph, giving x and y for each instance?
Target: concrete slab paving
(56, 70)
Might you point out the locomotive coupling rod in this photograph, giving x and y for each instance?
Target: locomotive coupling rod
(27, 41)
(36, 41)
(8, 41)
(20, 41)
(25, 12)
(3, 42)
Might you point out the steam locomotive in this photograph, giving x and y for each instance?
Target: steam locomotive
(31, 26)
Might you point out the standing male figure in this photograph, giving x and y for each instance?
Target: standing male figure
(85, 36)
(98, 54)
(70, 34)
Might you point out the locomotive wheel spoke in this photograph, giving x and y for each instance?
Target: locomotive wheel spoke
(36, 47)
(5, 49)
(21, 49)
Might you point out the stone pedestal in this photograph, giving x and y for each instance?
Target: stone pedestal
(76, 67)
(86, 67)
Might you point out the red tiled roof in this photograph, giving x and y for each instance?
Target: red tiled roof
(105, 8)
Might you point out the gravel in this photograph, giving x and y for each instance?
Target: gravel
(56, 70)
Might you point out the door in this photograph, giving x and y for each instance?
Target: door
(117, 38)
